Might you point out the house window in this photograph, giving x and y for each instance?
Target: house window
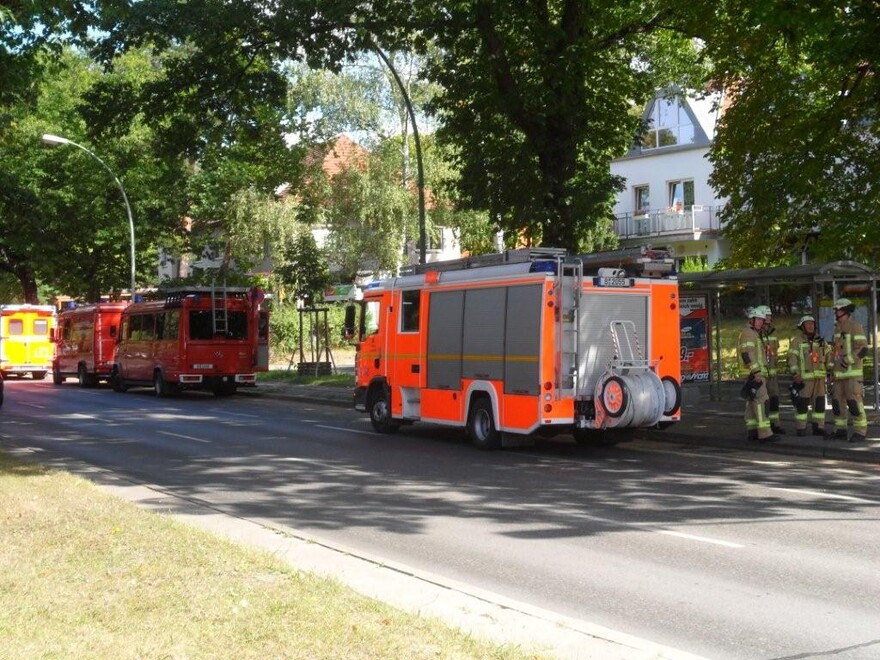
(681, 194)
(668, 125)
(643, 203)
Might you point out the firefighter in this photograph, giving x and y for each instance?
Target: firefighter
(770, 342)
(849, 347)
(751, 351)
(807, 357)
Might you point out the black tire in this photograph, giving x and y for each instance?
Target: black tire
(84, 378)
(38, 375)
(57, 378)
(599, 437)
(162, 387)
(380, 411)
(615, 396)
(672, 392)
(481, 426)
(116, 381)
(225, 389)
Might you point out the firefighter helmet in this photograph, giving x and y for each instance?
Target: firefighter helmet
(766, 310)
(757, 313)
(804, 319)
(844, 304)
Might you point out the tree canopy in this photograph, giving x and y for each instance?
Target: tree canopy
(798, 148)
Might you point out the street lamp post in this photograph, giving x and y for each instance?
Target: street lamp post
(55, 140)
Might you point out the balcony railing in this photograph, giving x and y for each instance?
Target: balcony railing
(669, 222)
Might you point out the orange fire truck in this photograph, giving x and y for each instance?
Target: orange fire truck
(26, 339)
(84, 341)
(210, 338)
(522, 343)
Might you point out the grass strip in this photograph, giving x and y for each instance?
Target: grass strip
(89, 575)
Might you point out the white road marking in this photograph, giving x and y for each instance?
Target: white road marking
(32, 405)
(185, 437)
(703, 539)
(820, 494)
(340, 428)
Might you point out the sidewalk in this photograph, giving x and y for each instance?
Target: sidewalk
(717, 423)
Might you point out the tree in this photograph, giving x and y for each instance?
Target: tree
(62, 216)
(797, 151)
(536, 100)
(301, 269)
(536, 95)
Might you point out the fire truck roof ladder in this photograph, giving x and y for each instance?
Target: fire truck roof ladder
(219, 309)
(521, 255)
(568, 355)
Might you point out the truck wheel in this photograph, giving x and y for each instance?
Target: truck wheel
(225, 389)
(57, 378)
(481, 425)
(161, 387)
(38, 375)
(116, 381)
(83, 377)
(380, 411)
(599, 437)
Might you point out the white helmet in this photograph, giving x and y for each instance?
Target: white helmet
(844, 304)
(757, 313)
(766, 310)
(804, 319)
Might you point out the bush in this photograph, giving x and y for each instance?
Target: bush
(284, 329)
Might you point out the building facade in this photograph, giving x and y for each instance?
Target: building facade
(668, 201)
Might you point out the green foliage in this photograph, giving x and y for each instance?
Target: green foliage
(536, 100)
(301, 269)
(284, 331)
(797, 151)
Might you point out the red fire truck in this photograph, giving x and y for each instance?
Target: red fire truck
(522, 343)
(210, 338)
(26, 339)
(85, 338)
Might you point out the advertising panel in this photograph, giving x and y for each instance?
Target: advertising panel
(694, 311)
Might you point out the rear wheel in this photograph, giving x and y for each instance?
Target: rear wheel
(38, 375)
(225, 389)
(162, 387)
(57, 378)
(84, 378)
(481, 425)
(599, 437)
(116, 381)
(380, 411)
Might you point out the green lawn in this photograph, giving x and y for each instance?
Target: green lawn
(88, 575)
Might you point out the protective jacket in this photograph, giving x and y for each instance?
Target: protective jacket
(808, 356)
(751, 352)
(848, 349)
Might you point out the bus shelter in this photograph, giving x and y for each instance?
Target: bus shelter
(825, 282)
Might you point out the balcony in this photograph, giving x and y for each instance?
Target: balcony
(691, 222)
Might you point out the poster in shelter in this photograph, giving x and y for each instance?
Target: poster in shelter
(694, 310)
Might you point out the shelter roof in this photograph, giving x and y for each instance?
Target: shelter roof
(800, 274)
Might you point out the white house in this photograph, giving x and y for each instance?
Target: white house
(668, 201)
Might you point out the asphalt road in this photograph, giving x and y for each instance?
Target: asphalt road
(720, 553)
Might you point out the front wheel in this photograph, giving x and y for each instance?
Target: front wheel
(38, 375)
(380, 411)
(57, 378)
(481, 425)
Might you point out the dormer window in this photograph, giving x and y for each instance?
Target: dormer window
(669, 125)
